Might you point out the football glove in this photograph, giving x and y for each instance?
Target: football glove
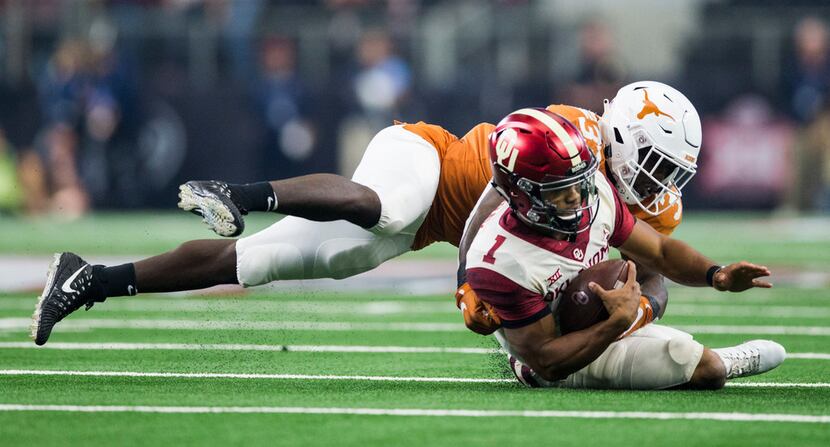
(479, 316)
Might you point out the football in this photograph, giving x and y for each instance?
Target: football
(580, 308)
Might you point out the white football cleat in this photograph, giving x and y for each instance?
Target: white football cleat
(751, 358)
(214, 202)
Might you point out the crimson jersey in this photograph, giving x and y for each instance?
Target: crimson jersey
(522, 273)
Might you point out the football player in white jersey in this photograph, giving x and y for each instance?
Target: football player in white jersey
(559, 217)
(647, 143)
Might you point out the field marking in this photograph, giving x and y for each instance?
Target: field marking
(103, 323)
(808, 356)
(117, 346)
(385, 307)
(47, 372)
(759, 330)
(247, 347)
(14, 324)
(25, 372)
(403, 307)
(731, 417)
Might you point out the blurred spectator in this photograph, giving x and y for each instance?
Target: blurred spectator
(600, 75)
(284, 105)
(813, 164)
(69, 198)
(383, 80)
(808, 78)
(62, 88)
(240, 23)
(747, 160)
(11, 197)
(381, 88)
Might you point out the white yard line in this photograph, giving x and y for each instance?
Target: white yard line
(24, 372)
(42, 372)
(758, 330)
(104, 323)
(808, 356)
(116, 346)
(241, 305)
(730, 417)
(14, 324)
(397, 307)
(245, 347)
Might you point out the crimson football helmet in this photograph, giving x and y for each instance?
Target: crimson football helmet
(537, 154)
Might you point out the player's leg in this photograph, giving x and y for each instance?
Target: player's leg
(319, 197)
(660, 357)
(402, 169)
(73, 283)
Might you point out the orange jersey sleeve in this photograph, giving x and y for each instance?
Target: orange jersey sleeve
(465, 172)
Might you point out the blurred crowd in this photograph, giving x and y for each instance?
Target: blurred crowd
(110, 104)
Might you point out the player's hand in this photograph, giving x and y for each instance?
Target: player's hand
(479, 316)
(622, 303)
(741, 276)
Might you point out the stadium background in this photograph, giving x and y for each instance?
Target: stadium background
(106, 106)
(111, 104)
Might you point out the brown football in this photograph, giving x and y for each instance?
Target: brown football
(580, 308)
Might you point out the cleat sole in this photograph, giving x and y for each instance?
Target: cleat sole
(214, 213)
(50, 280)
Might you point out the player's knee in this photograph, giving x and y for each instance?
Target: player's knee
(710, 373)
(262, 264)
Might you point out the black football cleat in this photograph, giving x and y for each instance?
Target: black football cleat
(213, 201)
(69, 285)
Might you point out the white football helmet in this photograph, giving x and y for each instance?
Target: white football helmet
(652, 137)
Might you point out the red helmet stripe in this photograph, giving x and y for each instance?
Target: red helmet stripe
(568, 141)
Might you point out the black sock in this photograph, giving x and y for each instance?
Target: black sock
(255, 196)
(116, 281)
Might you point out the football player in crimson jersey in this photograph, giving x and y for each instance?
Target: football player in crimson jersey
(559, 217)
(647, 143)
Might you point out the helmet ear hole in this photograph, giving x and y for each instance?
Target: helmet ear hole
(618, 136)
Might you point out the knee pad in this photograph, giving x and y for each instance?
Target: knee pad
(261, 264)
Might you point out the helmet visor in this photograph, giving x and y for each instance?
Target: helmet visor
(565, 206)
(657, 178)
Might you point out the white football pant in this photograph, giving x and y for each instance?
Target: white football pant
(402, 168)
(651, 358)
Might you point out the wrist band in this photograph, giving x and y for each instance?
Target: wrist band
(655, 306)
(710, 274)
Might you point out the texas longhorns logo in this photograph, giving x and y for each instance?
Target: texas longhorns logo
(650, 107)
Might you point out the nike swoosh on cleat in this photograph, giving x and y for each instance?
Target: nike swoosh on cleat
(67, 285)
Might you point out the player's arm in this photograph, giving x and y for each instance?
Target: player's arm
(479, 317)
(653, 286)
(683, 264)
(554, 358)
(488, 202)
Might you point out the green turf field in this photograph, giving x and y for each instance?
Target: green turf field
(380, 369)
(799, 242)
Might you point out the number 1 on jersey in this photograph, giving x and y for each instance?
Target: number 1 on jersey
(489, 258)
